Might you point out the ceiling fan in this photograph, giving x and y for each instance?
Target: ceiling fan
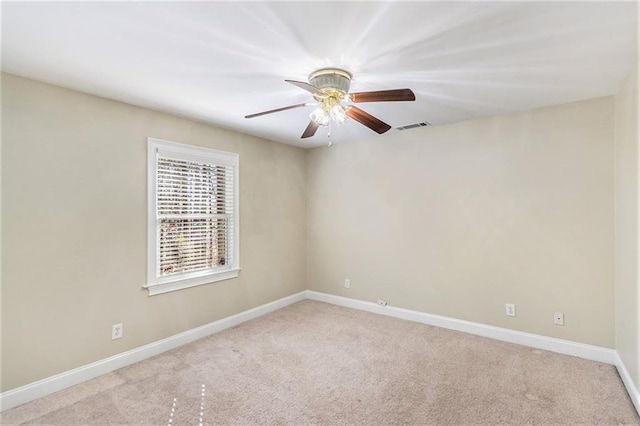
(330, 89)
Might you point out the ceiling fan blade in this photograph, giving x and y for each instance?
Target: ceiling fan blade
(257, 114)
(383, 96)
(310, 130)
(305, 86)
(367, 119)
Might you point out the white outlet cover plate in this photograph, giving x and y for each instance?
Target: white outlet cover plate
(116, 331)
(510, 309)
(558, 318)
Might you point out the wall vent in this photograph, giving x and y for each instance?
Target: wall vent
(413, 126)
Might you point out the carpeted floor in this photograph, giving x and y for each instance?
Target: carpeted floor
(315, 363)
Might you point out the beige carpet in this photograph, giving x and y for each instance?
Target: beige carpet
(315, 363)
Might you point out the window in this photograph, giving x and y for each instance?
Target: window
(193, 216)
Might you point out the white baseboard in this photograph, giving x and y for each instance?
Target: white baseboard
(628, 383)
(595, 353)
(52, 384)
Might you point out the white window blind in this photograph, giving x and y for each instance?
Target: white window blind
(195, 212)
(195, 216)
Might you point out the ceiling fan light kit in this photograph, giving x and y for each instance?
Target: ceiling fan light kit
(334, 85)
(330, 88)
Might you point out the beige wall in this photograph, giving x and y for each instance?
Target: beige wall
(458, 220)
(74, 229)
(454, 220)
(627, 289)
(1, 76)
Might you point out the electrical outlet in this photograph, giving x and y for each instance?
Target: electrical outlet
(347, 283)
(382, 302)
(116, 331)
(558, 318)
(510, 309)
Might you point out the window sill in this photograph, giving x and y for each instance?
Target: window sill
(166, 287)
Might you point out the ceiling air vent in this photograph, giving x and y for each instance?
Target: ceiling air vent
(413, 126)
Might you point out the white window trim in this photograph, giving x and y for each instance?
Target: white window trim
(158, 285)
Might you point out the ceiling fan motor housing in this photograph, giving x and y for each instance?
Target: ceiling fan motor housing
(331, 78)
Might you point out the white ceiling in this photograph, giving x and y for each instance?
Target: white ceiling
(219, 61)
